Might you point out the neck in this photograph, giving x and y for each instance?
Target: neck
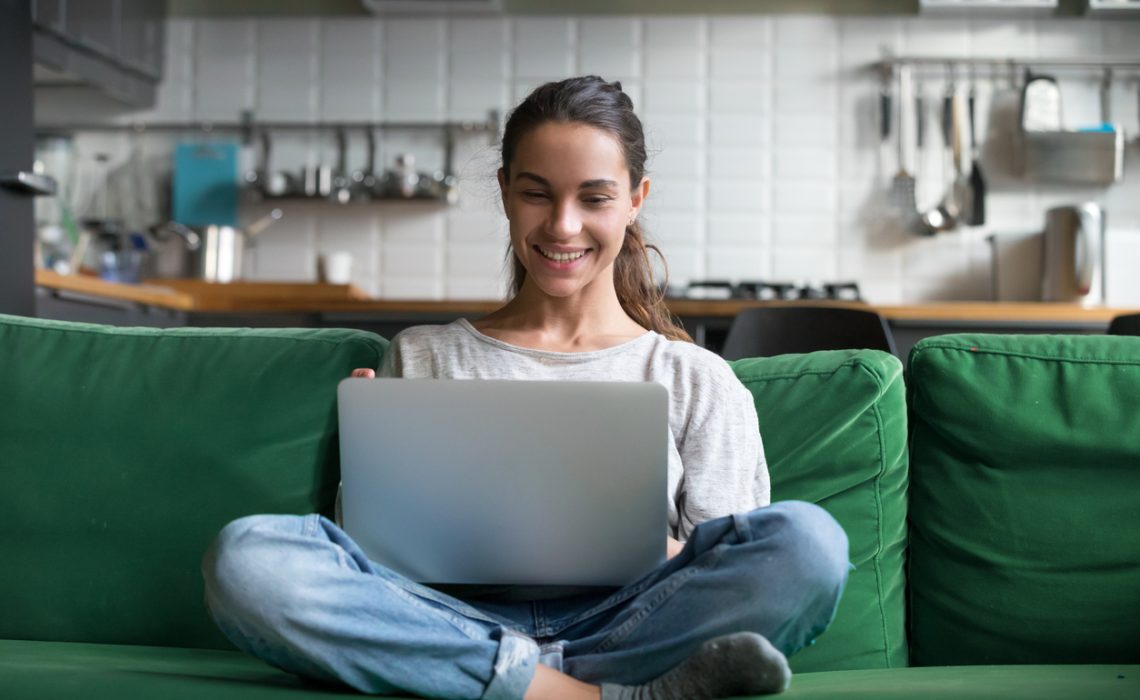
(591, 312)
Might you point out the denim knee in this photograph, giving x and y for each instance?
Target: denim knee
(246, 570)
(814, 546)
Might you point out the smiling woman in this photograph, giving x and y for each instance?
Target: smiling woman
(741, 583)
(573, 182)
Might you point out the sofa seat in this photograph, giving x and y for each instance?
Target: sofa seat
(98, 671)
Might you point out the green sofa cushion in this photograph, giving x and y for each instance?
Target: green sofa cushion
(834, 431)
(36, 670)
(1025, 499)
(126, 450)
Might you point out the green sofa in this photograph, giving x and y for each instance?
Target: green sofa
(996, 541)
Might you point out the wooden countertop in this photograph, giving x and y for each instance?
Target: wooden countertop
(194, 295)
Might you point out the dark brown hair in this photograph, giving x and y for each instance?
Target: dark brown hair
(592, 101)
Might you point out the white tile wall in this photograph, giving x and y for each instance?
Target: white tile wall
(763, 132)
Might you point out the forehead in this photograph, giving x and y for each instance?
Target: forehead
(570, 151)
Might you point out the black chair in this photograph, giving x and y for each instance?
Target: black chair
(777, 330)
(1125, 325)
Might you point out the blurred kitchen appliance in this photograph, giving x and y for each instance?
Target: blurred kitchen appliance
(1016, 265)
(1072, 266)
(214, 253)
(1063, 263)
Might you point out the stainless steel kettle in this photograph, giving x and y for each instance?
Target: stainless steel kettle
(1073, 254)
(215, 253)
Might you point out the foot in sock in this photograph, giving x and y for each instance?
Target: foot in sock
(744, 663)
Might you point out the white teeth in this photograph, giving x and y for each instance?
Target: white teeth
(562, 257)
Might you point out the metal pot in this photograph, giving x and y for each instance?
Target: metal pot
(214, 253)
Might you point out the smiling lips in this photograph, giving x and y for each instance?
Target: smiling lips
(561, 257)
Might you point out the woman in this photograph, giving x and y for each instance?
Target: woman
(743, 585)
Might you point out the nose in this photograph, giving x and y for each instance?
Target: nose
(565, 220)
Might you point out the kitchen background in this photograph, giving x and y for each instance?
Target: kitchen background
(767, 161)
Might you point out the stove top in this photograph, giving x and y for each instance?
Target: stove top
(769, 291)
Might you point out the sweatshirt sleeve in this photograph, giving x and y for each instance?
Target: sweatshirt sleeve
(722, 454)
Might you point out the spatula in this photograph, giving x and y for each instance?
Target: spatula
(902, 186)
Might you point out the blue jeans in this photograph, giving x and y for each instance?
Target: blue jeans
(296, 592)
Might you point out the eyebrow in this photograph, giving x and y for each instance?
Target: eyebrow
(586, 184)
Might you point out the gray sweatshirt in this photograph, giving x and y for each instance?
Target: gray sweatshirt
(716, 460)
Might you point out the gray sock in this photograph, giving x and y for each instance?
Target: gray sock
(744, 663)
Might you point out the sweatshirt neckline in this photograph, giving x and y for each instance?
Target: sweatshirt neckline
(553, 354)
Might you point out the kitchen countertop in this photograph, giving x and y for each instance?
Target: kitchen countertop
(193, 295)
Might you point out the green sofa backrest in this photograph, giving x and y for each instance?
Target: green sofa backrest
(834, 431)
(123, 451)
(1025, 500)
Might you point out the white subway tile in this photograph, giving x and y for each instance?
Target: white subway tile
(935, 257)
(866, 264)
(224, 68)
(490, 63)
(674, 227)
(738, 162)
(739, 64)
(543, 47)
(674, 33)
(476, 36)
(804, 264)
(1002, 38)
(675, 193)
(282, 263)
(406, 100)
(414, 50)
(410, 287)
(936, 37)
(1122, 259)
(412, 223)
(679, 161)
(608, 33)
(735, 196)
(812, 96)
(738, 262)
(287, 69)
(472, 100)
(743, 31)
(752, 229)
(411, 260)
(739, 130)
(671, 130)
(473, 260)
(479, 225)
(740, 97)
(804, 229)
(799, 32)
(806, 163)
(862, 40)
(805, 131)
(794, 65)
(1067, 37)
(686, 262)
(881, 293)
(619, 63)
(673, 96)
(350, 80)
(475, 288)
(674, 64)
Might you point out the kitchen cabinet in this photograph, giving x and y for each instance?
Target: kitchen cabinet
(113, 45)
(17, 232)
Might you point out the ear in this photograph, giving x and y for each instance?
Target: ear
(637, 197)
(502, 176)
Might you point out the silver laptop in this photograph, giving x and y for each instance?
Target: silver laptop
(506, 482)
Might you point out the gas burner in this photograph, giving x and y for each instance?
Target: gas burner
(767, 291)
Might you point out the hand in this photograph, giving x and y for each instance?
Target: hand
(673, 547)
(364, 373)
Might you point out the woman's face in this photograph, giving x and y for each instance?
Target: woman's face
(568, 202)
